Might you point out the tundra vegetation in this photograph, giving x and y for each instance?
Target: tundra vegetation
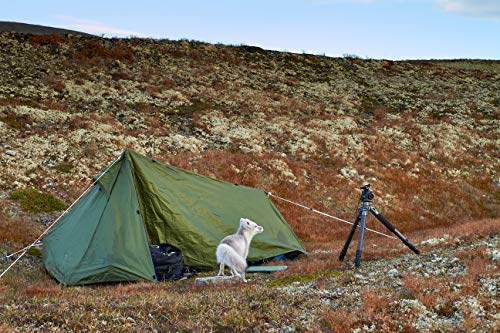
(309, 128)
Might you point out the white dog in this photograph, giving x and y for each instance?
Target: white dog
(233, 249)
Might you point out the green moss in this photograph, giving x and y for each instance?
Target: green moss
(34, 201)
(303, 278)
(34, 252)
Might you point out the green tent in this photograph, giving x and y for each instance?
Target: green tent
(137, 201)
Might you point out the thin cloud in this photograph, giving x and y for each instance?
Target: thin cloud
(94, 27)
(323, 2)
(475, 8)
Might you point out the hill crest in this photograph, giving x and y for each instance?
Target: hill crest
(35, 29)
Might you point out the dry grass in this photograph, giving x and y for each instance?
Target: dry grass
(406, 212)
(461, 230)
(21, 230)
(442, 294)
(94, 51)
(431, 174)
(52, 39)
(340, 321)
(377, 314)
(145, 307)
(185, 306)
(7, 329)
(427, 291)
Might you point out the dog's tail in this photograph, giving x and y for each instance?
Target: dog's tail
(227, 255)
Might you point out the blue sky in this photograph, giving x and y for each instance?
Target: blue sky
(389, 29)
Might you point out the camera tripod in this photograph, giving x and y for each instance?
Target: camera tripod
(361, 213)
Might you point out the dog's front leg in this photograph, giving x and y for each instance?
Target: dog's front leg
(221, 269)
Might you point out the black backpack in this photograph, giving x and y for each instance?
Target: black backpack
(167, 261)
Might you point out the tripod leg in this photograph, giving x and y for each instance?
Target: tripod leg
(351, 233)
(364, 212)
(389, 226)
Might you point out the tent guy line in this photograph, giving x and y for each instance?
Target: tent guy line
(24, 248)
(121, 156)
(269, 194)
(140, 202)
(54, 223)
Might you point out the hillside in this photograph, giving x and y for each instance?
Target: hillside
(309, 128)
(35, 29)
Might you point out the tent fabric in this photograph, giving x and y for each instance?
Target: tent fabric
(102, 238)
(139, 201)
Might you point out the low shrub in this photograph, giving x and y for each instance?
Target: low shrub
(52, 39)
(36, 202)
(94, 50)
(16, 121)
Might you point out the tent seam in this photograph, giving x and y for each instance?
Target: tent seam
(132, 169)
(103, 211)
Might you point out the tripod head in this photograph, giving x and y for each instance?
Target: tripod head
(366, 194)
